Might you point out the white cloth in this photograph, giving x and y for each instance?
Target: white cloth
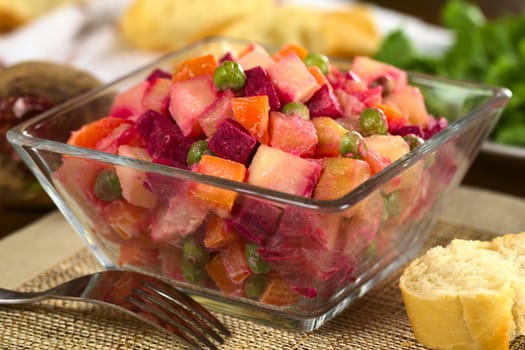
(86, 35)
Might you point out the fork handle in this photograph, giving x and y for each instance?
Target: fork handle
(15, 297)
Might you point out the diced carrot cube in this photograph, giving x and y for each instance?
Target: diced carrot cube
(223, 168)
(235, 262)
(217, 235)
(90, 134)
(319, 76)
(218, 273)
(126, 219)
(394, 116)
(288, 49)
(138, 252)
(278, 292)
(253, 113)
(194, 67)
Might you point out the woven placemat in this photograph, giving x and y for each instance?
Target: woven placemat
(376, 321)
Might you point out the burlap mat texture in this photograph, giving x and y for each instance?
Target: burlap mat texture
(376, 321)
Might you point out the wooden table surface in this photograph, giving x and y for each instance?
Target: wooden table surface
(487, 171)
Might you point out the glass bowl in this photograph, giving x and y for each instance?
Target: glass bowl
(322, 255)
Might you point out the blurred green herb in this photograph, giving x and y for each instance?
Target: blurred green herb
(488, 51)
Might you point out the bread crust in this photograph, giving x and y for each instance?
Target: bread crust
(467, 295)
(171, 24)
(15, 13)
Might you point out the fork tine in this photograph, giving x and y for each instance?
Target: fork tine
(173, 330)
(186, 300)
(164, 311)
(182, 312)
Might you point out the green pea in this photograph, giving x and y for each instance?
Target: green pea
(319, 60)
(254, 261)
(107, 185)
(229, 75)
(196, 151)
(392, 204)
(372, 121)
(386, 82)
(296, 108)
(413, 140)
(194, 253)
(352, 145)
(193, 273)
(254, 286)
(371, 250)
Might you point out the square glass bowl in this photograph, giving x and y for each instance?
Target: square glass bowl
(321, 255)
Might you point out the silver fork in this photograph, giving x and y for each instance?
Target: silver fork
(147, 298)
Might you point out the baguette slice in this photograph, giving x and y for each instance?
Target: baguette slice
(14, 13)
(169, 24)
(467, 295)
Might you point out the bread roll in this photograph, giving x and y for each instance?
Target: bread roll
(467, 295)
(16, 12)
(169, 24)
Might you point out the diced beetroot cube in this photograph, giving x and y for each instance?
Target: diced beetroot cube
(150, 120)
(169, 162)
(303, 228)
(324, 103)
(406, 130)
(298, 232)
(131, 137)
(254, 219)
(435, 126)
(169, 147)
(227, 57)
(258, 83)
(220, 110)
(232, 141)
(164, 187)
(279, 250)
(301, 240)
(323, 274)
(164, 138)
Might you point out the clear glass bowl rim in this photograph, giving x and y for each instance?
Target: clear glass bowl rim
(19, 135)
